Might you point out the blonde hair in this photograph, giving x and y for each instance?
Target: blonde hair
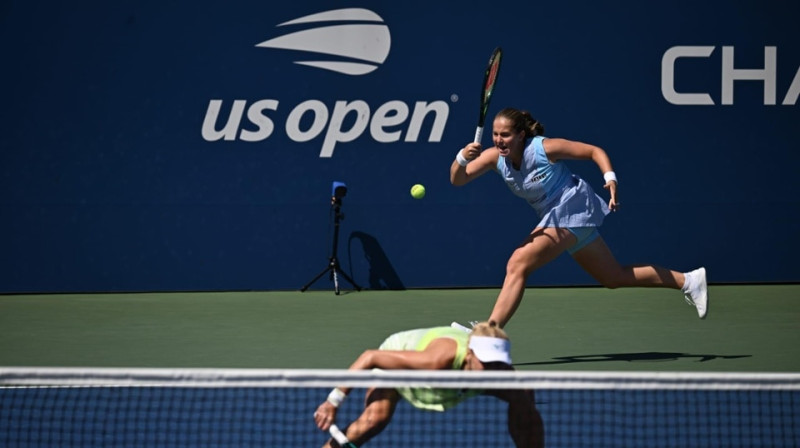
(489, 329)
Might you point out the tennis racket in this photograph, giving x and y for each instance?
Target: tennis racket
(489, 81)
(340, 438)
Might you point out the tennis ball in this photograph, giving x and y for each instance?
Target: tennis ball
(418, 191)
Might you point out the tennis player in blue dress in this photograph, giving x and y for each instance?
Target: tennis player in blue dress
(569, 210)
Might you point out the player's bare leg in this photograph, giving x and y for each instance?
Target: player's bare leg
(539, 248)
(596, 259)
(599, 262)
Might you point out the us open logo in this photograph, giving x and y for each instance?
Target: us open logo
(349, 41)
(366, 42)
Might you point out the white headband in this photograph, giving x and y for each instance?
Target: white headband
(489, 349)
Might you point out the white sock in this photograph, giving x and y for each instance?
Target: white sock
(687, 283)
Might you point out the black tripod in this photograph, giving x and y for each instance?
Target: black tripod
(333, 263)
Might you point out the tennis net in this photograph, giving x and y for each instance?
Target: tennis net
(109, 407)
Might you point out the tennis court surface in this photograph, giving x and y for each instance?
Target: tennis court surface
(749, 328)
(751, 335)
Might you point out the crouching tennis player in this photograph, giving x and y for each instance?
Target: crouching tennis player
(486, 347)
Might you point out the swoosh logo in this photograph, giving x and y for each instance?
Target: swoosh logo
(360, 45)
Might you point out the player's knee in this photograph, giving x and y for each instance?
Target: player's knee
(613, 281)
(518, 266)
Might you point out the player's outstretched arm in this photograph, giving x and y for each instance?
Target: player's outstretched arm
(437, 356)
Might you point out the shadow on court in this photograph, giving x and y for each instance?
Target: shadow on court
(631, 357)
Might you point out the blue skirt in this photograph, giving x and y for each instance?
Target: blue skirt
(576, 205)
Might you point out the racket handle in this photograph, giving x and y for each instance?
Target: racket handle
(478, 134)
(340, 438)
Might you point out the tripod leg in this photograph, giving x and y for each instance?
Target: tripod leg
(333, 266)
(338, 269)
(347, 277)
(316, 278)
(335, 281)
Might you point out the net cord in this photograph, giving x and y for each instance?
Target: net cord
(208, 377)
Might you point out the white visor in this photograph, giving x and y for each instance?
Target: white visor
(488, 349)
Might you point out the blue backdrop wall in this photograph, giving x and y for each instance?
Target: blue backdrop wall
(150, 145)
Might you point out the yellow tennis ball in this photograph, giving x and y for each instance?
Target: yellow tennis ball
(418, 191)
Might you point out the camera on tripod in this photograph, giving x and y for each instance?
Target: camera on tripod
(338, 191)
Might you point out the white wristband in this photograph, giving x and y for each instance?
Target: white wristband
(461, 159)
(608, 176)
(336, 397)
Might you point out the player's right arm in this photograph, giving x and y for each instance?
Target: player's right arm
(479, 163)
(438, 355)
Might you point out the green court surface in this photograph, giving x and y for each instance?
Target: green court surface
(750, 328)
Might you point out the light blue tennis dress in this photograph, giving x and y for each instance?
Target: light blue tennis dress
(560, 198)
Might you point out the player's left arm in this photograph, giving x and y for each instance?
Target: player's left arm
(525, 425)
(438, 355)
(562, 149)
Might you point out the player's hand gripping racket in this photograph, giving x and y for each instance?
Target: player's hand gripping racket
(489, 81)
(340, 438)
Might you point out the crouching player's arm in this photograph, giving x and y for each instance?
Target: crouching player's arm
(524, 422)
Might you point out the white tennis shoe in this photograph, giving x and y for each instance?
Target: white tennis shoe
(695, 291)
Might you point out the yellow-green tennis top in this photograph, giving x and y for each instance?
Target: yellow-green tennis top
(430, 398)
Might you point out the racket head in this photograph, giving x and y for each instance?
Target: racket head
(489, 81)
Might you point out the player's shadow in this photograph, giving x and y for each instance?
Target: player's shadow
(380, 272)
(631, 357)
